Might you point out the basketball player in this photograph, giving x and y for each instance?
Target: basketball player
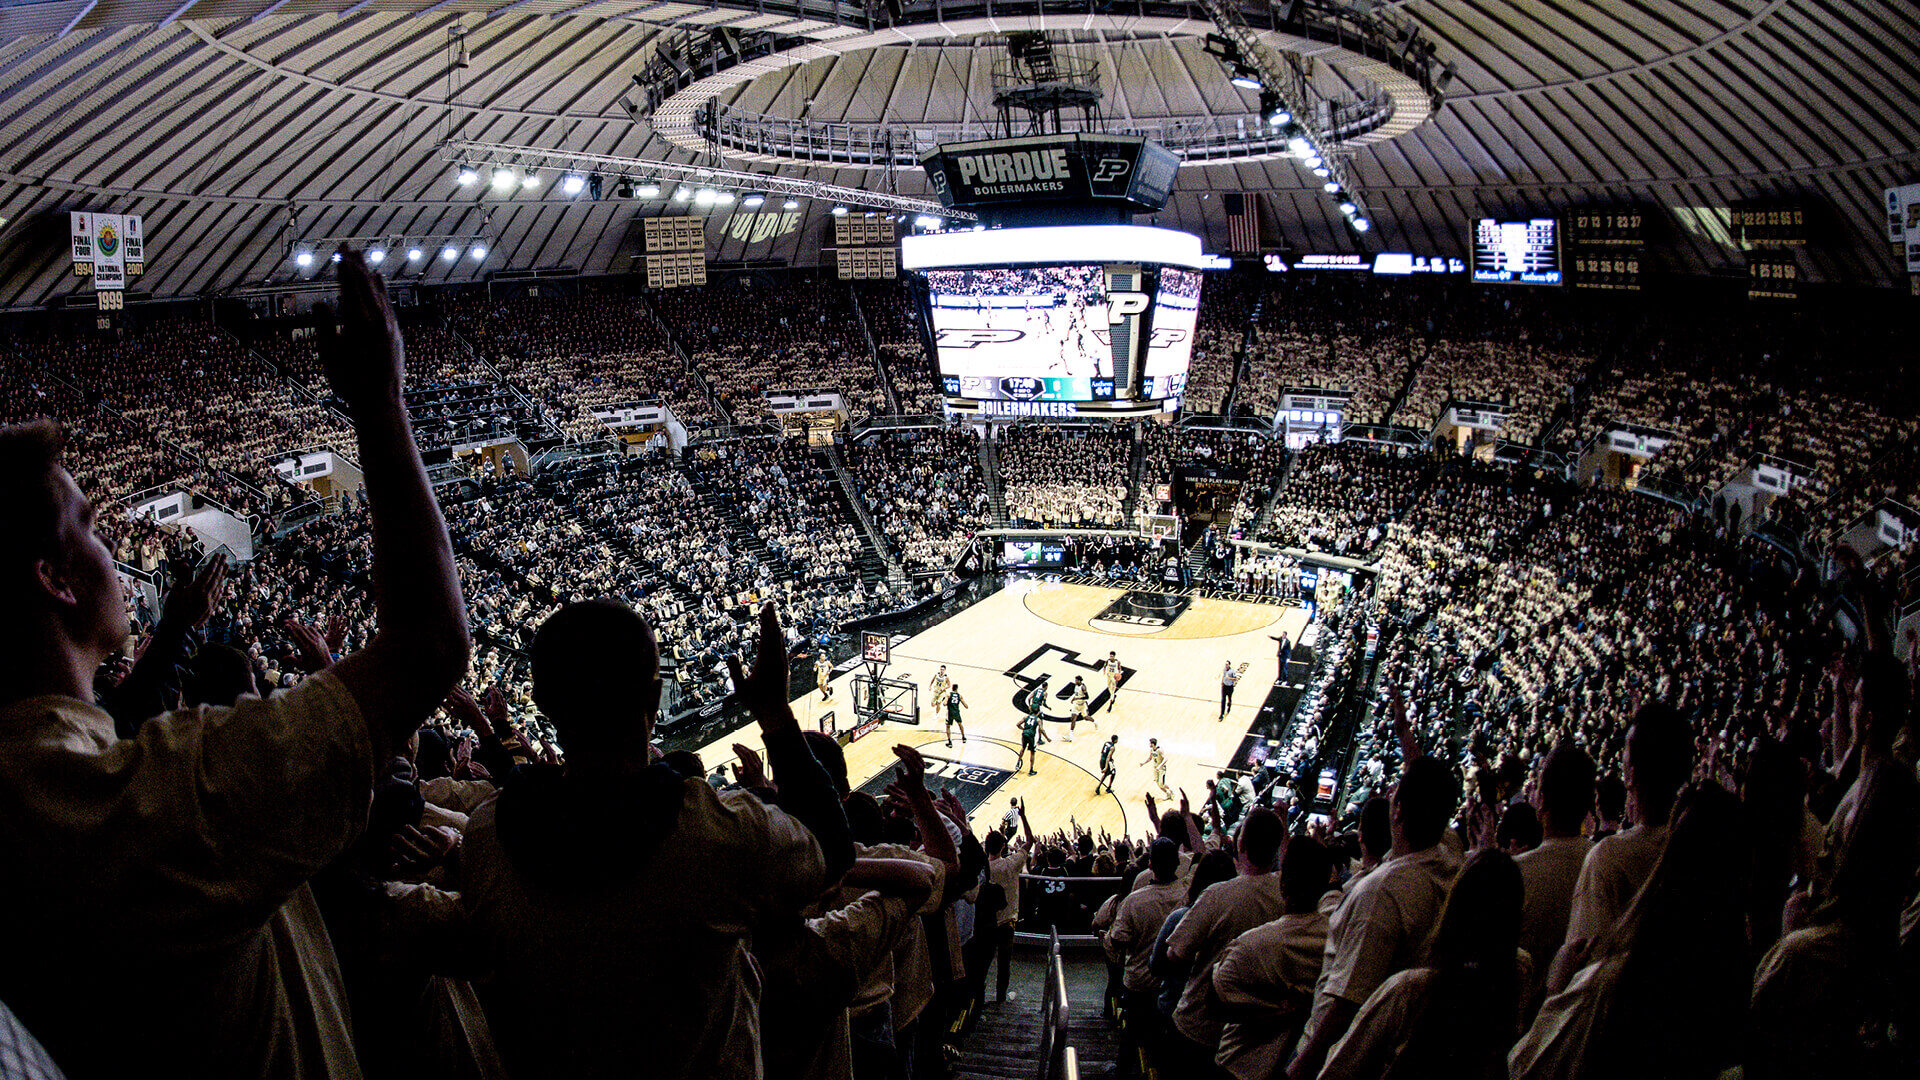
(1228, 677)
(823, 672)
(1079, 699)
(1030, 739)
(954, 702)
(1037, 698)
(939, 686)
(1112, 664)
(1158, 759)
(1108, 752)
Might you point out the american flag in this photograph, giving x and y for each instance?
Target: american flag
(1243, 222)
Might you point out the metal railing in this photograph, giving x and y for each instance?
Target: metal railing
(1057, 1059)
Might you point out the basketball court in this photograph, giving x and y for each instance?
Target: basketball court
(1172, 646)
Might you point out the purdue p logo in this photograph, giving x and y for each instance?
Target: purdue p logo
(1060, 666)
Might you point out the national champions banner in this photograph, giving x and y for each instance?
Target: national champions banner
(106, 243)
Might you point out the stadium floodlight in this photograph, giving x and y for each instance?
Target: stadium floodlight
(790, 204)
(573, 184)
(478, 251)
(1347, 208)
(724, 198)
(649, 191)
(706, 196)
(376, 256)
(335, 257)
(1313, 161)
(1245, 78)
(840, 211)
(1299, 147)
(414, 255)
(530, 181)
(303, 259)
(449, 253)
(1281, 117)
(503, 180)
(927, 221)
(753, 200)
(1361, 224)
(1323, 172)
(1330, 188)
(466, 175)
(682, 194)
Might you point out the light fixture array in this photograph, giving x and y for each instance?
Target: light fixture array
(1285, 106)
(702, 185)
(406, 253)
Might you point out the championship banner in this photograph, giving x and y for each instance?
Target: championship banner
(109, 255)
(133, 244)
(82, 230)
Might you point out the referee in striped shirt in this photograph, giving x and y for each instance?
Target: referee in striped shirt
(1228, 677)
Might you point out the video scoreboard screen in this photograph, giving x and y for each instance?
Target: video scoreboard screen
(1516, 252)
(1040, 321)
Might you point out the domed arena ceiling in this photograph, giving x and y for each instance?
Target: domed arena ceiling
(239, 128)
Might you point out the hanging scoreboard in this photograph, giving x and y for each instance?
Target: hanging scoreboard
(109, 248)
(1516, 252)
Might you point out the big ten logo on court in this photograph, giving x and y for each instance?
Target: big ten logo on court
(1141, 613)
(1122, 304)
(969, 339)
(1060, 665)
(753, 228)
(956, 772)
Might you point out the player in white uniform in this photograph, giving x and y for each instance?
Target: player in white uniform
(1157, 758)
(939, 687)
(1079, 701)
(1112, 666)
(823, 673)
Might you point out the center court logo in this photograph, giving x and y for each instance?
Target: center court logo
(1060, 665)
(1140, 613)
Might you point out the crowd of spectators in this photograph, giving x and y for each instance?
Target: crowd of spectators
(573, 353)
(924, 491)
(794, 333)
(1058, 477)
(1341, 497)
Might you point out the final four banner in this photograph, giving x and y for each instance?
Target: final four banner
(105, 244)
(132, 243)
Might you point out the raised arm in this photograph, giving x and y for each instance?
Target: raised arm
(806, 792)
(421, 648)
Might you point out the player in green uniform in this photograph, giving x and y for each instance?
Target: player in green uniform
(1107, 767)
(954, 702)
(1031, 736)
